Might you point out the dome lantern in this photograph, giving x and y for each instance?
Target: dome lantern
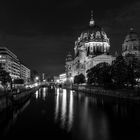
(92, 22)
(69, 57)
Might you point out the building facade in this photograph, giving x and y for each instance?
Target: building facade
(12, 65)
(10, 62)
(91, 48)
(62, 78)
(131, 44)
(25, 73)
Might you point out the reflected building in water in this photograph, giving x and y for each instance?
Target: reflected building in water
(64, 108)
(41, 93)
(90, 123)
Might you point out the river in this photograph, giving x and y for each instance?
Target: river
(65, 114)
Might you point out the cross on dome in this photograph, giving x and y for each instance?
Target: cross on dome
(131, 29)
(92, 22)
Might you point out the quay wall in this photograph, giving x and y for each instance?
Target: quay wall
(129, 94)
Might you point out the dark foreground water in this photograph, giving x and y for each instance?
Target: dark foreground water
(64, 114)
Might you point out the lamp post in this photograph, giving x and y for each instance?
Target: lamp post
(37, 80)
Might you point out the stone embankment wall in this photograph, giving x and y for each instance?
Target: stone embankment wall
(129, 94)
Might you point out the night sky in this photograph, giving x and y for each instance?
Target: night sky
(41, 33)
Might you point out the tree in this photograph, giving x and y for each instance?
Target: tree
(76, 79)
(5, 78)
(79, 79)
(100, 74)
(104, 74)
(119, 72)
(133, 69)
(92, 75)
(18, 81)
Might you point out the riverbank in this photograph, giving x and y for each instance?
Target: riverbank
(18, 98)
(128, 94)
(8, 99)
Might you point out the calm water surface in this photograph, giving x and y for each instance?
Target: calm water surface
(65, 114)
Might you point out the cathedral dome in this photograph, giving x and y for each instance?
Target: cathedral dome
(93, 39)
(131, 42)
(132, 36)
(93, 33)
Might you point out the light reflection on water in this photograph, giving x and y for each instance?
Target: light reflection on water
(37, 94)
(83, 116)
(64, 106)
(90, 118)
(70, 116)
(91, 124)
(41, 93)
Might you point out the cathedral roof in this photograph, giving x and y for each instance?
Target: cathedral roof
(131, 36)
(69, 57)
(93, 33)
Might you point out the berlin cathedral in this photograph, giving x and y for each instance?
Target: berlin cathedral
(93, 47)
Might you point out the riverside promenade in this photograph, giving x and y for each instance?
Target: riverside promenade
(126, 94)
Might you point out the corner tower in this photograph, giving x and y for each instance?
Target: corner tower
(68, 65)
(131, 44)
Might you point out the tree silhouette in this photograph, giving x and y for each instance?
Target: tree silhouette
(133, 69)
(99, 75)
(5, 78)
(79, 79)
(119, 72)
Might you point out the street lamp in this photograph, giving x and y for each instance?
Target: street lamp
(36, 78)
(36, 81)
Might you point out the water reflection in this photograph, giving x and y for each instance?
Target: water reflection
(91, 123)
(37, 94)
(64, 106)
(78, 115)
(57, 104)
(91, 117)
(70, 116)
(9, 117)
(44, 93)
(41, 93)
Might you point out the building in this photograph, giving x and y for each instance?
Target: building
(62, 78)
(12, 65)
(131, 44)
(56, 79)
(10, 62)
(91, 48)
(25, 73)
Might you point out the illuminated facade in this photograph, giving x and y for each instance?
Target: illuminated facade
(10, 62)
(131, 44)
(62, 78)
(25, 73)
(12, 65)
(91, 48)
